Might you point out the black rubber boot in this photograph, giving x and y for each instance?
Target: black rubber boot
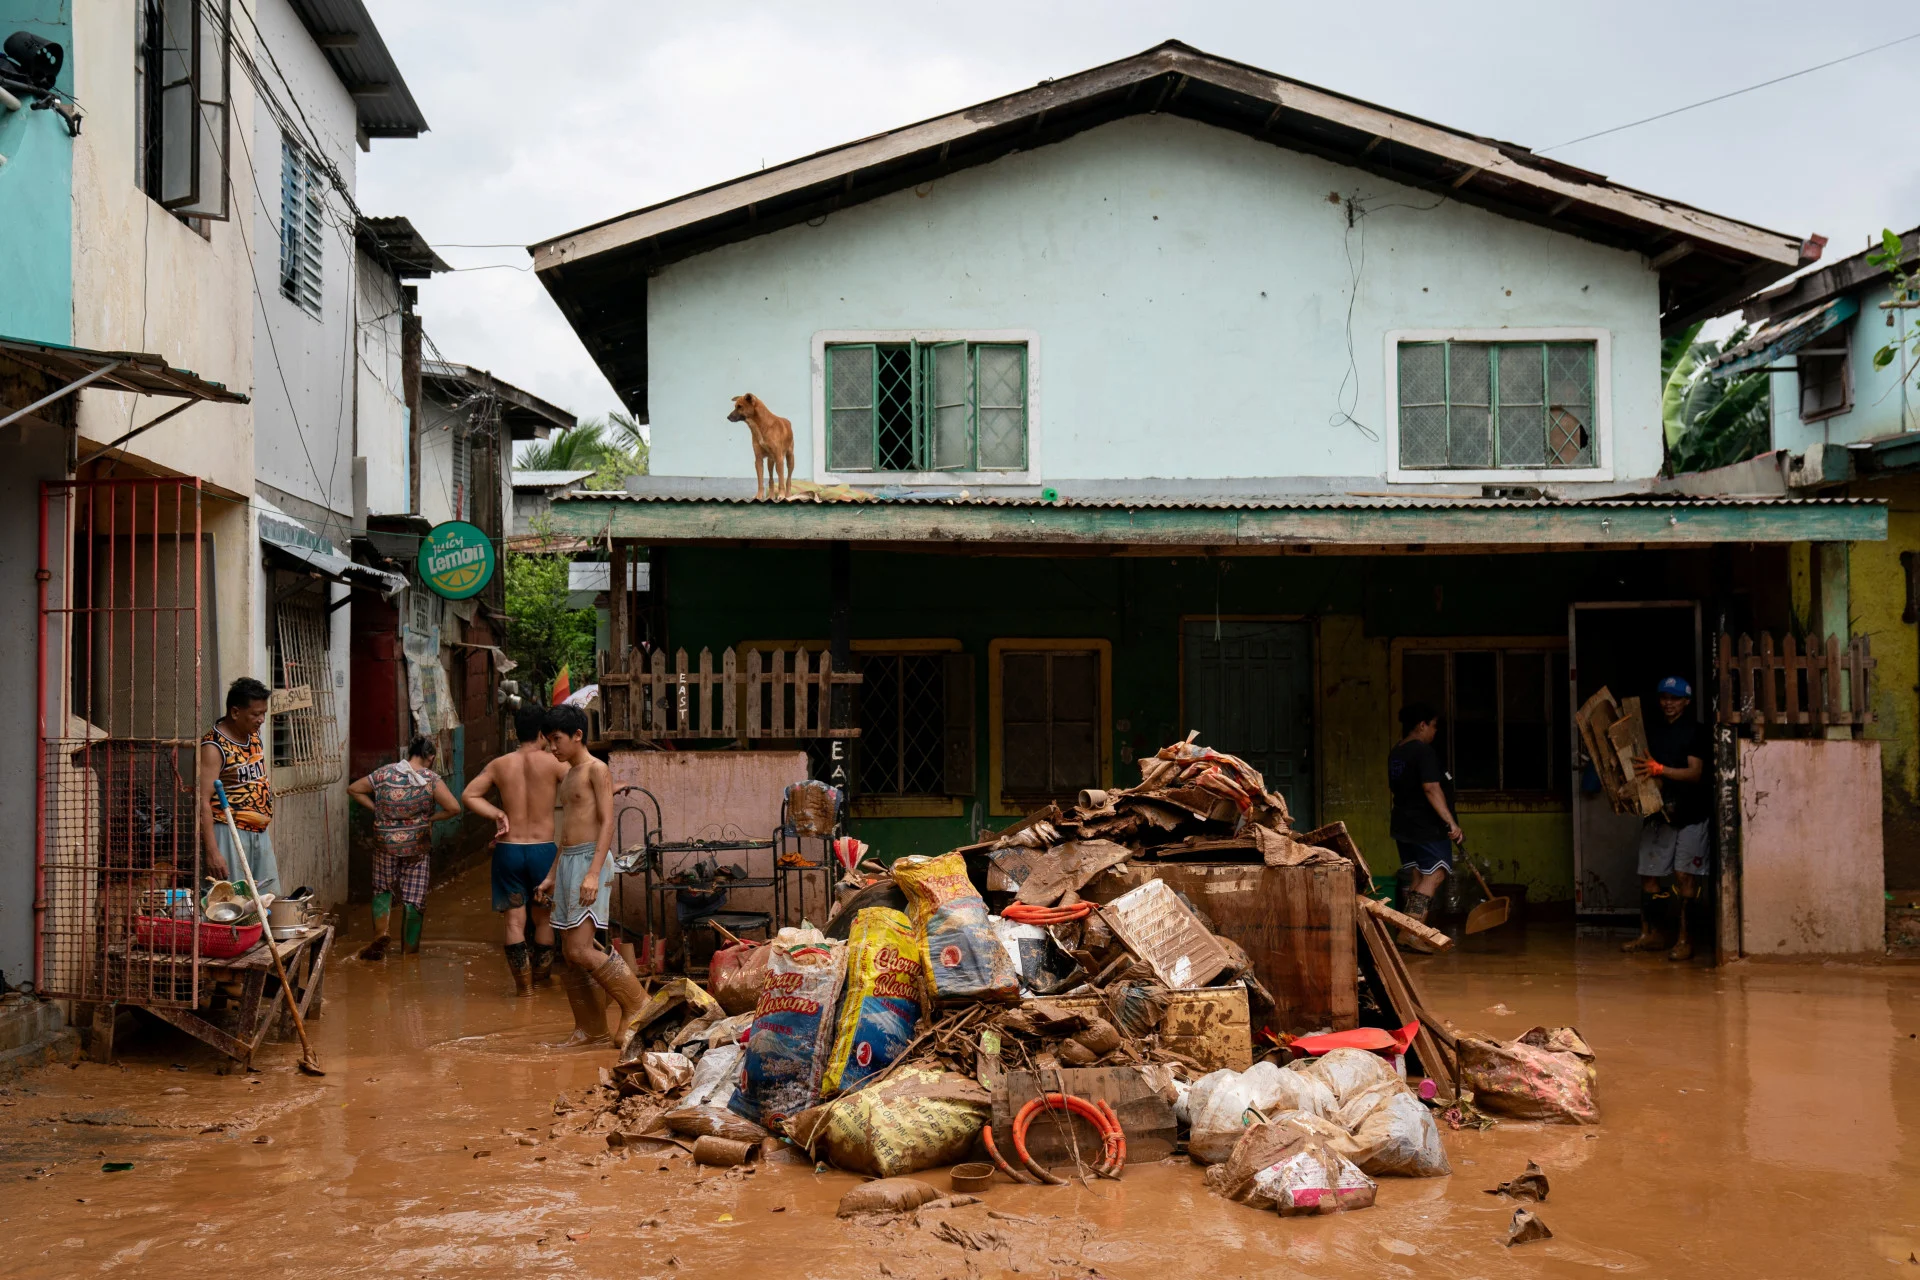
(518, 967)
(542, 955)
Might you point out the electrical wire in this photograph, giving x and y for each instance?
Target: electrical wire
(1722, 97)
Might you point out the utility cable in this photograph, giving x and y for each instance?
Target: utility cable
(1791, 75)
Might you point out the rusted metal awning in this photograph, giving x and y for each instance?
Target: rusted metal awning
(138, 372)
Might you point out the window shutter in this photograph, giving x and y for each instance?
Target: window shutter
(179, 94)
(961, 766)
(211, 128)
(1001, 399)
(850, 406)
(949, 402)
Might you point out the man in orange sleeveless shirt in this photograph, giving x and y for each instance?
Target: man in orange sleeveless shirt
(232, 752)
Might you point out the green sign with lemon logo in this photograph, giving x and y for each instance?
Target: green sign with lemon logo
(456, 560)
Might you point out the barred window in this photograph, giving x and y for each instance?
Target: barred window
(902, 722)
(926, 406)
(301, 187)
(1488, 405)
(1503, 718)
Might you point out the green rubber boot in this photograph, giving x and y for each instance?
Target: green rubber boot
(413, 918)
(382, 907)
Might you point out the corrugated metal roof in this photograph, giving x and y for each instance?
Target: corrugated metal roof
(345, 32)
(1237, 502)
(547, 479)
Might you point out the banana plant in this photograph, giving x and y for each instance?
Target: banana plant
(1711, 421)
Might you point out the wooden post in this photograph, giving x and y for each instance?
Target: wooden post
(755, 683)
(777, 720)
(1795, 665)
(704, 695)
(840, 632)
(657, 694)
(619, 627)
(729, 695)
(1726, 821)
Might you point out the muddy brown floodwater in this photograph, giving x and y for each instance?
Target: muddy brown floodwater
(1756, 1124)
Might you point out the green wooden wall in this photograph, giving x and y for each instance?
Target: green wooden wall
(716, 597)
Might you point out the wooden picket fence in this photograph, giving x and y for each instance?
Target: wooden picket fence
(1814, 685)
(779, 694)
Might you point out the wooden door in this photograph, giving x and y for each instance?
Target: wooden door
(1249, 691)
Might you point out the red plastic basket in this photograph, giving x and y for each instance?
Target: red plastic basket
(217, 941)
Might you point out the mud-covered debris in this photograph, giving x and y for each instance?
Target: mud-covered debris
(966, 1238)
(888, 1195)
(1525, 1228)
(1530, 1185)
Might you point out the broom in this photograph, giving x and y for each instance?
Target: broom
(309, 1061)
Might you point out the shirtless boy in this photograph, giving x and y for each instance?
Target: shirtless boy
(523, 850)
(579, 889)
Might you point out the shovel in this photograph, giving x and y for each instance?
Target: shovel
(1490, 914)
(309, 1060)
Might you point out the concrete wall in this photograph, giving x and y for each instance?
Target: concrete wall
(36, 194)
(1876, 600)
(380, 407)
(1188, 294)
(303, 414)
(146, 281)
(439, 420)
(32, 454)
(1882, 405)
(1811, 878)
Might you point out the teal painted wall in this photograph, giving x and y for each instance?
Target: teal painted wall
(1187, 289)
(36, 193)
(1881, 406)
(720, 597)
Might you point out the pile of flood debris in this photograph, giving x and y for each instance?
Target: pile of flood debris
(1050, 1037)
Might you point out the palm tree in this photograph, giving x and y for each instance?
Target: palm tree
(579, 448)
(1711, 421)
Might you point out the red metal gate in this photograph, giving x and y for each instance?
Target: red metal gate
(122, 705)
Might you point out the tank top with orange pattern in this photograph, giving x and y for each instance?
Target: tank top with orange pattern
(243, 771)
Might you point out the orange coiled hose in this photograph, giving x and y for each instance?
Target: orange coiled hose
(1113, 1139)
(1021, 913)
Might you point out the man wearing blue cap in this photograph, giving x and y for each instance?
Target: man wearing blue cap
(1673, 841)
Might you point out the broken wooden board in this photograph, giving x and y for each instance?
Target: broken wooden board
(1210, 1025)
(1630, 736)
(1395, 981)
(1147, 1120)
(1159, 928)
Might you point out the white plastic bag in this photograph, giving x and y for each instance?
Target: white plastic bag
(1224, 1104)
(1390, 1132)
(1349, 1072)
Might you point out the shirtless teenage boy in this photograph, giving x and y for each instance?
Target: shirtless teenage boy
(578, 886)
(523, 850)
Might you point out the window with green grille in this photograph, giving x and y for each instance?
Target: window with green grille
(926, 406)
(1487, 405)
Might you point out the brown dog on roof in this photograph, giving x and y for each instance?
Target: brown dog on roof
(772, 446)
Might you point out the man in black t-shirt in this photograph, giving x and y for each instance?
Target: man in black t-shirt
(1674, 841)
(1422, 823)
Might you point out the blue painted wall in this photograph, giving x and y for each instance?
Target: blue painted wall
(36, 193)
(1881, 406)
(1188, 289)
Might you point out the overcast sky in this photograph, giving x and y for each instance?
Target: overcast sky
(551, 116)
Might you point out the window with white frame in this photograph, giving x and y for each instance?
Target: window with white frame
(182, 105)
(1497, 405)
(1826, 379)
(302, 185)
(927, 406)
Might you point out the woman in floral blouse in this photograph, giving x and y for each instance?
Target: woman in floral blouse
(407, 798)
